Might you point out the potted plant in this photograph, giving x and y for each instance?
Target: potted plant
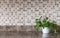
(46, 25)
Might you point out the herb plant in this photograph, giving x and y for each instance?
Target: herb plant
(45, 23)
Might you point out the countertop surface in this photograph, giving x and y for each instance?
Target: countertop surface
(28, 35)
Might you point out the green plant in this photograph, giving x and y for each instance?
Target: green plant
(53, 26)
(45, 23)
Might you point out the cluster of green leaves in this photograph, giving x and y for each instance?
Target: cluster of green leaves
(45, 23)
(53, 26)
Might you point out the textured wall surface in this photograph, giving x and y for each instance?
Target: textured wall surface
(24, 12)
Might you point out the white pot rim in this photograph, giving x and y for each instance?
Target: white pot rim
(45, 30)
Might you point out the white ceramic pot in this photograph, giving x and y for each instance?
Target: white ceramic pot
(45, 30)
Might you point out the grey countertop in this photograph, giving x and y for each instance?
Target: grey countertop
(27, 35)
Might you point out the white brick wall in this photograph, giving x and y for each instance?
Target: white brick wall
(24, 12)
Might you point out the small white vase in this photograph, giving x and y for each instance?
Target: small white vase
(45, 30)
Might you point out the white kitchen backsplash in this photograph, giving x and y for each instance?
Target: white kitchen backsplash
(24, 12)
